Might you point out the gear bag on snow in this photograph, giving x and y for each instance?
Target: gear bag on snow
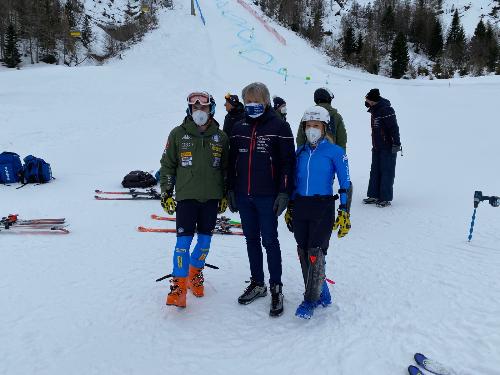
(10, 167)
(138, 179)
(35, 170)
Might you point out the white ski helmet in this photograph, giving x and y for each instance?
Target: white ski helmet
(316, 113)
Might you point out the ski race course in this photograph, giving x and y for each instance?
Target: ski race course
(407, 280)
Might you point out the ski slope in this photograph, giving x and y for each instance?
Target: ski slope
(406, 279)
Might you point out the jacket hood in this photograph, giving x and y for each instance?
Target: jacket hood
(382, 103)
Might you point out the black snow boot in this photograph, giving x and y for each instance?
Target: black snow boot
(276, 300)
(252, 292)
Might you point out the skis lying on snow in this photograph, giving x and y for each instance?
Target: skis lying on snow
(150, 194)
(172, 230)
(12, 224)
(429, 365)
(223, 220)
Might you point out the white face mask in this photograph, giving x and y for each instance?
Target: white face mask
(313, 135)
(200, 118)
(283, 110)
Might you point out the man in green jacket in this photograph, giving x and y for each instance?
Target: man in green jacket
(194, 163)
(335, 131)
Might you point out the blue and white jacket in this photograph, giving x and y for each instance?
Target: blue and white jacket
(316, 169)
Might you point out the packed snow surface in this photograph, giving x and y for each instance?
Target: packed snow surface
(406, 278)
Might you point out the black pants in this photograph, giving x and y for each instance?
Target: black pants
(382, 173)
(194, 216)
(313, 219)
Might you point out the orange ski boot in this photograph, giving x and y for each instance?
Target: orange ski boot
(196, 281)
(177, 295)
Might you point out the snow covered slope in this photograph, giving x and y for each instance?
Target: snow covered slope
(406, 279)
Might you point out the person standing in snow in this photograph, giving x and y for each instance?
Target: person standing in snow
(335, 130)
(194, 163)
(385, 147)
(261, 168)
(279, 105)
(235, 112)
(311, 214)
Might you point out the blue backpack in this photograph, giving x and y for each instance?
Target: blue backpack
(36, 170)
(10, 167)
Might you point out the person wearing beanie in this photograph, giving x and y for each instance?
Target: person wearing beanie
(235, 112)
(385, 147)
(279, 106)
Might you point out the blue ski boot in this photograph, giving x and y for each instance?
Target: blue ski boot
(325, 299)
(306, 310)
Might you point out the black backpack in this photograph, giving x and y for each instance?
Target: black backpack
(138, 179)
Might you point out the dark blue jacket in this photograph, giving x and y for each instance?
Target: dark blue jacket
(316, 170)
(262, 156)
(385, 129)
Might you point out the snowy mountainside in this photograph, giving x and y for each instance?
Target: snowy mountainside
(406, 278)
(470, 12)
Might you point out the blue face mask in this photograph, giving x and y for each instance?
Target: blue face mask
(254, 110)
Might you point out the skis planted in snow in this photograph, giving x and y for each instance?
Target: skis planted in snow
(172, 230)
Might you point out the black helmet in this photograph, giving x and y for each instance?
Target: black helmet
(323, 95)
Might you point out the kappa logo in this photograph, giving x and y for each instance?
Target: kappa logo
(216, 138)
(186, 136)
(345, 158)
(180, 230)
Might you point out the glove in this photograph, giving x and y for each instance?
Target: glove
(342, 223)
(280, 203)
(396, 149)
(231, 201)
(168, 202)
(288, 216)
(222, 205)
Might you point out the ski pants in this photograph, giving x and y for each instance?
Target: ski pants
(259, 220)
(193, 216)
(382, 173)
(313, 219)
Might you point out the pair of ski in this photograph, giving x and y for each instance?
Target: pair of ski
(429, 365)
(12, 224)
(223, 226)
(131, 195)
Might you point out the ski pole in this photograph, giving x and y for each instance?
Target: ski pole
(472, 224)
(170, 275)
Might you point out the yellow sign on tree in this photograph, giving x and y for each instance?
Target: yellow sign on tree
(75, 34)
(145, 9)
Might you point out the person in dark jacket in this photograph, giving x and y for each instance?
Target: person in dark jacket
(235, 112)
(312, 214)
(279, 105)
(385, 147)
(261, 169)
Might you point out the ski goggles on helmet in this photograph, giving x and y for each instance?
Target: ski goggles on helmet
(202, 98)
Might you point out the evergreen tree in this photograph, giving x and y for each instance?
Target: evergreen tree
(86, 32)
(388, 23)
(455, 43)
(478, 49)
(493, 48)
(348, 42)
(12, 57)
(435, 44)
(359, 44)
(399, 56)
